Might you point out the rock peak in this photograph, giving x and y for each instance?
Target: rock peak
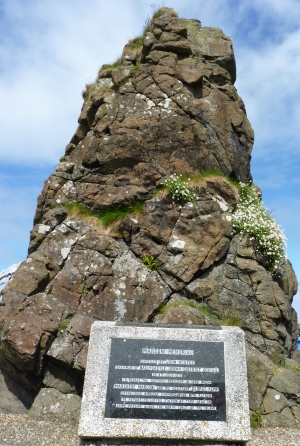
(110, 243)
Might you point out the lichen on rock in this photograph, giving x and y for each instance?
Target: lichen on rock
(168, 106)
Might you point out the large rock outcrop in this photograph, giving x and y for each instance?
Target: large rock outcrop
(169, 105)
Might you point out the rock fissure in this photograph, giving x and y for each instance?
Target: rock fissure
(167, 107)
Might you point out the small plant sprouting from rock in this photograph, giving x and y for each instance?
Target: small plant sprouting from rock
(253, 218)
(135, 43)
(138, 42)
(179, 189)
(150, 262)
(63, 324)
(256, 419)
(156, 13)
(110, 66)
(135, 66)
(204, 309)
(94, 87)
(281, 362)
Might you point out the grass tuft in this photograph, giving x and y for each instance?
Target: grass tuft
(156, 13)
(138, 41)
(63, 324)
(150, 262)
(256, 419)
(93, 87)
(232, 321)
(135, 66)
(135, 43)
(106, 216)
(204, 309)
(281, 363)
(110, 66)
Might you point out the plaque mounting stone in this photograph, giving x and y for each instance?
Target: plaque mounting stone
(165, 382)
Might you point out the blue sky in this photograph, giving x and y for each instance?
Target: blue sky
(50, 49)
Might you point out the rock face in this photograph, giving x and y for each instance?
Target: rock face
(6, 275)
(168, 106)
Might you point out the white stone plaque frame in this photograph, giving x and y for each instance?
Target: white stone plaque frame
(93, 424)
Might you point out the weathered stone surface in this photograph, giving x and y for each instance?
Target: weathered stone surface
(60, 379)
(13, 397)
(274, 401)
(280, 419)
(259, 373)
(287, 382)
(180, 310)
(51, 404)
(169, 107)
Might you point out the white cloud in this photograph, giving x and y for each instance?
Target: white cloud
(51, 51)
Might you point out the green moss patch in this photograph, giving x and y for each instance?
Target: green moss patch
(105, 216)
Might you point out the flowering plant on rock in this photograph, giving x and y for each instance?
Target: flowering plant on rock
(253, 218)
(179, 189)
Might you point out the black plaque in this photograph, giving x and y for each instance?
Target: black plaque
(166, 379)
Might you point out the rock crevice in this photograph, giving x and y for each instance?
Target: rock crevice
(168, 106)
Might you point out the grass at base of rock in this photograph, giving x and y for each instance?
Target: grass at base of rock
(256, 419)
(231, 321)
(106, 216)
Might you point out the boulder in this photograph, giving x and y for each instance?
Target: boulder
(13, 397)
(259, 373)
(110, 243)
(53, 405)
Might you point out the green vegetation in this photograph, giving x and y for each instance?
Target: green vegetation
(253, 218)
(204, 309)
(281, 363)
(63, 324)
(231, 321)
(115, 64)
(135, 66)
(156, 13)
(150, 262)
(138, 42)
(201, 176)
(105, 216)
(85, 290)
(200, 307)
(135, 43)
(256, 419)
(91, 88)
(179, 189)
(192, 180)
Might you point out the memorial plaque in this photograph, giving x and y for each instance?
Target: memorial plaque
(155, 382)
(169, 380)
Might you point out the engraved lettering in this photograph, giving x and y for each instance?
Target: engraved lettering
(166, 351)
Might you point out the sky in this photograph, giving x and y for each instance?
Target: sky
(49, 50)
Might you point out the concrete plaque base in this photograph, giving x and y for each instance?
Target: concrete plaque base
(165, 382)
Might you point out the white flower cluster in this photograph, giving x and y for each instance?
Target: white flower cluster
(179, 189)
(253, 218)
